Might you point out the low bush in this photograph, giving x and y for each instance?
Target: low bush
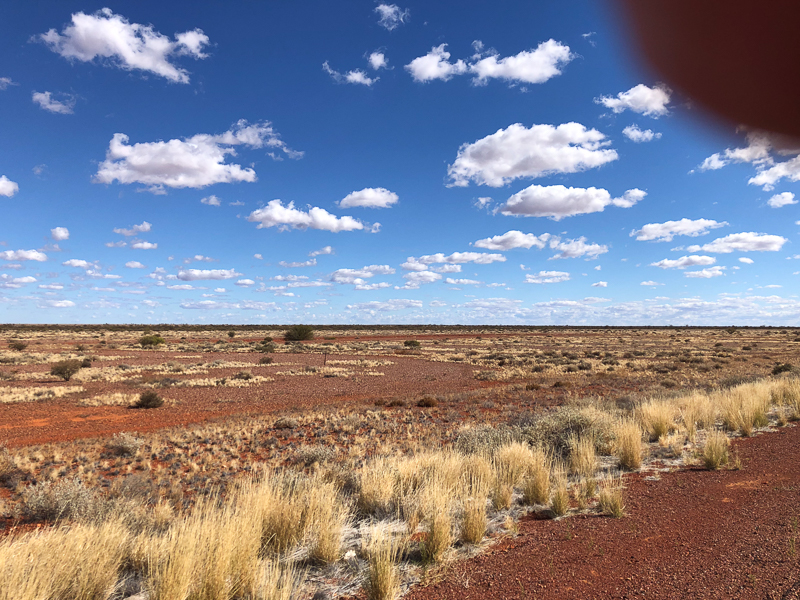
(265, 360)
(123, 444)
(148, 399)
(715, 451)
(151, 341)
(66, 369)
(297, 333)
(428, 402)
(782, 368)
(18, 346)
(65, 499)
(411, 344)
(611, 501)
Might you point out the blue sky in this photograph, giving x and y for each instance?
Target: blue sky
(374, 163)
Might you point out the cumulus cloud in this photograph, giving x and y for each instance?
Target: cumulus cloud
(665, 232)
(528, 66)
(558, 201)
(369, 198)
(57, 304)
(201, 274)
(46, 101)
(7, 187)
(210, 201)
(194, 162)
(77, 262)
(479, 258)
(245, 282)
(357, 276)
(134, 264)
(377, 60)
(275, 214)
(747, 241)
(538, 151)
(415, 279)
(23, 255)
(391, 16)
(576, 249)
(59, 234)
(600, 284)
(372, 286)
(684, 262)
(706, 273)
(452, 281)
(513, 239)
(214, 305)
(648, 101)
(130, 46)
(295, 265)
(356, 76)
(321, 251)
(141, 245)
(747, 261)
(144, 227)
(14, 283)
(547, 277)
(651, 283)
(5, 82)
(51, 286)
(182, 287)
(783, 199)
(634, 134)
(386, 306)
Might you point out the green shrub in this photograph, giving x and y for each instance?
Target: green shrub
(231, 334)
(66, 369)
(411, 344)
(18, 346)
(151, 341)
(297, 333)
(782, 368)
(149, 399)
(265, 360)
(428, 402)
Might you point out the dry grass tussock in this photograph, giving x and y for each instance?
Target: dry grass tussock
(254, 538)
(9, 395)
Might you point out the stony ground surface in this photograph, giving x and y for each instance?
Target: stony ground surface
(691, 534)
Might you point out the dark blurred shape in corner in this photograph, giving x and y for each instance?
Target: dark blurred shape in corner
(739, 59)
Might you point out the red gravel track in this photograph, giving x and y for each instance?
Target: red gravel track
(693, 534)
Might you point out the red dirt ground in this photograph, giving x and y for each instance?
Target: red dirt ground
(692, 534)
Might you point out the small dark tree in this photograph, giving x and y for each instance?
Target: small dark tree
(297, 333)
(411, 344)
(231, 334)
(148, 399)
(18, 346)
(151, 341)
(66, 369)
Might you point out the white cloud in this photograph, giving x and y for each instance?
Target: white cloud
(7, 187)
(558, 201)
(141, 245)
(479, 258)
(289, 277)
(59, 234)
(747, 261)
(391, 16)
(417, 278)
(547, 277)
(199, 274)
(665, 232)
(198, 258)
(633, 133)
(513, 239)
(447, 268)
(5, 82)
(245, 282)
(577, 248)
(435, 65)
(77, 262)
(58, 303)
(321, 251)
(258, 256)
(685, 261)
(377, 60)
(452, 281)
(783, 199)
(182, 287)
(194, 162)
(220, 290)
(648, 101)
(357, 276)
(295, 265)
(46, 101)
(706, 273)
(134, 264)
(214, 305)
(517, 151)
(388, 305)
(144, 227)
(369, 198)
(529, 66)
(275, 214)
(747, 241)
(372, 286)
(600, 284)
(23, 255)
(356, 76)
(127, 45)
(51, 286)
(210, 201)
(651, 283)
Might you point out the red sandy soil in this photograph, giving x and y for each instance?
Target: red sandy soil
(61, 419)
(692, 534)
